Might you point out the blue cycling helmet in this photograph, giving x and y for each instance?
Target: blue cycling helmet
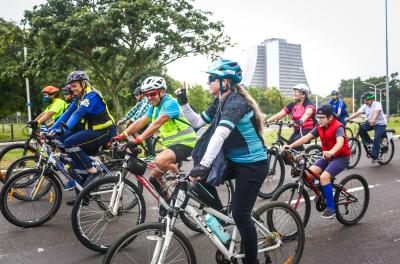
(226, 69)
(77, 76)
(334, 92)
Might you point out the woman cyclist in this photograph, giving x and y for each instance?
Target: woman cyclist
(302, 111)
(236, 126)
(91, 111)
(336, 152)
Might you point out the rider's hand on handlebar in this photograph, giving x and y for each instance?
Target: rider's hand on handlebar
(33, 123)
(198, 173)
(327, 155)
(347, 119)
(286, 147)
(119, 137)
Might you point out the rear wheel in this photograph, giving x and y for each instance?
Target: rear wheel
(352, 200)
(386, 151)
(23, 163)
(275, 176)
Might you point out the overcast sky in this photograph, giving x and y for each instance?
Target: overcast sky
(340, 39)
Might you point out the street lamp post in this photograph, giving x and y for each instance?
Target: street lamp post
(380, 94)
(373, 86)
(387, 63)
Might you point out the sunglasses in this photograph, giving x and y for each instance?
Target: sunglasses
(151, 94)
(212, 78)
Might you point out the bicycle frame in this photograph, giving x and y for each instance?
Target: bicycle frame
(162, 246)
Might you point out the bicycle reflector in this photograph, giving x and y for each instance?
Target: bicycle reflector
(136, 166)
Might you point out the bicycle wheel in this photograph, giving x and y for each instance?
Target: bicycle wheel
(157, 144)
(275, 177)
(386, 151)
(93, 222)
(352, 199)
(10, 153)
(19, 206)
(116, 168)
(225, 193)
(299, 200)
(315, 150)
(349, 132)
(355, 152)
(139, 244)
(284, 224)
(23, 163)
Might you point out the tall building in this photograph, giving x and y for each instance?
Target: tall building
(276, 64)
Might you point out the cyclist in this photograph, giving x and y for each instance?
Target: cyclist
(339, 107)
(236, 125)
(302, 111)
(139, 110)
(98, 125)
(164, 116)
(55, 106)
(376, 121)
(336, 152)
(68, 94)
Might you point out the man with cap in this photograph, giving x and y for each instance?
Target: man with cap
(336, 152)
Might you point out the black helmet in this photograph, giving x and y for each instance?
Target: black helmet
(137, 91)
(335, 92)
(77, 76)
(325, 109)
(368, 95)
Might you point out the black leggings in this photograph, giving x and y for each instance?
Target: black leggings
(296, 135)
(249, 179)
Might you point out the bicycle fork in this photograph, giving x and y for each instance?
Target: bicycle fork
(116, 196)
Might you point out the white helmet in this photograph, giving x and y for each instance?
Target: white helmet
(153, 83)
(302, 87)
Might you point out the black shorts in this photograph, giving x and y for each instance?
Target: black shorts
(181, 151)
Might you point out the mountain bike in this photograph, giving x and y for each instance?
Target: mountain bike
(17, 150)
(33, 196)
(386, 151)
(98, 216)
(280, 234)
(351, 194)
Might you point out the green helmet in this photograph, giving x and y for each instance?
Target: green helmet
(368, 96)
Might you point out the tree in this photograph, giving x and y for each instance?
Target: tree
(199, 98)
(120, 40)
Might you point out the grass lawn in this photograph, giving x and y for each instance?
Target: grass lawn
(20, 132)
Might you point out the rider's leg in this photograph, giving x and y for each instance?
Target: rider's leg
(249, 178)
(379, 132)
(364, 133)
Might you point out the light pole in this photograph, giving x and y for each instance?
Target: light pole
(380, 94)
(387, 63)
(373, 86)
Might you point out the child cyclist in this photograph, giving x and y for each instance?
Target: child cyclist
(335, 149)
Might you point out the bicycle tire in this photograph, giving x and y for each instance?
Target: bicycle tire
(391, 148)
(158, 230)
(349, 132)
(118, 167)
(17, 164)
(77, 212)
(189, 223)
(7, 193)
(297, 236)
(9, 148)
(293, 188)
(339, 215)
(271, 173)
(355, 152)
(314, 150)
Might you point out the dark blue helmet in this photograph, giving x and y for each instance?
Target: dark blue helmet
(334, 92)
(77, 76)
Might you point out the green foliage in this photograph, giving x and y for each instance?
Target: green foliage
(199, 98)
(270, 100)
(119, 41)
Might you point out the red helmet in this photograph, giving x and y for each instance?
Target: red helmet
(50, 89)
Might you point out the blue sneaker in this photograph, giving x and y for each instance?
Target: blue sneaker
(70, 185)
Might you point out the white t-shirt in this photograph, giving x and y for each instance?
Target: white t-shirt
(369, 111)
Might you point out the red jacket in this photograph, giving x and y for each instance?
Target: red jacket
(328, 138)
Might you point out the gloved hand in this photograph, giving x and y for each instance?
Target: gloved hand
(119, 137)
(299, 123)
(133, 143)
(44, 129)
(181, 96)
(61, 131)
(198, 171)
(33, 123)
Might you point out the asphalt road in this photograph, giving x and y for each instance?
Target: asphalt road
(376, 239)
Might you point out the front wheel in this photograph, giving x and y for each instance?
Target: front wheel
(144, 242)
(275, 176)
(277, 221)
(355, 152)
(297, 197)
(351, 199)
(95, 224)
(30, 199)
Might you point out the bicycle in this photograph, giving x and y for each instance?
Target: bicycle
(97, 207)
(386, 150)
(346, 196)
(14, 151)
(279, 229)
(33, 196)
